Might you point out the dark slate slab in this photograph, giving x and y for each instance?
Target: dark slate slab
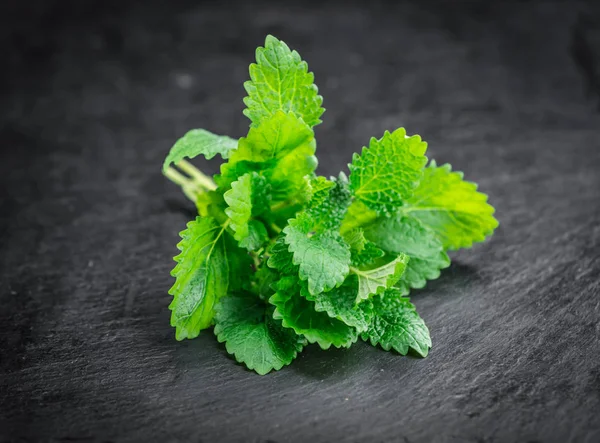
(94, 93)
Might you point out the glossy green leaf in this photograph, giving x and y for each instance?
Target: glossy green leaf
(201, 274)
(396, 325)
(280, 81)
(385, 175)
(246, 325)
(249, 196)
(451, 207)
(298, 313)
(405, 234)
(340, 303)
(323, 258)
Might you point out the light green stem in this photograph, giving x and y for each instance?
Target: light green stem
(202, 179)
(190, 188)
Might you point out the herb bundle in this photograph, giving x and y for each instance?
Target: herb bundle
(280, 257)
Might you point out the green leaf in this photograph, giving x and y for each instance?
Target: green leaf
(281, 258)
(358, 215)
(319, 190)
(397, 325)
(280, 81)
(240, 264)
(363, 251)
(340, 303)
(404, 234)
(298, 313)
(199, 141)
(329, 213)
(374, 281)
(249, 196)
(452, 208)
(323, 258)
(201, 274)
(283, 149)
(245, 324)
(355, 239)
(418, 271)
(385, 175)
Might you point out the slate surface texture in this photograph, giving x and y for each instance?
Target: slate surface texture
(93, 94)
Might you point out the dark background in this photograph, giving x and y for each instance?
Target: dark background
(93, 94)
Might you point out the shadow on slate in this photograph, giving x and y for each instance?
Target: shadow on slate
(92, 97)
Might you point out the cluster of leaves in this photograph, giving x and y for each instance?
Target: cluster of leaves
(280, 257)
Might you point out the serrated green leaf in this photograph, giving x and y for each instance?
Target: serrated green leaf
(329, 213)
(323, 258)
(246, 326)
(451, 207)
(365, 255)
(282, 148)
(248, 197)
(298, 313)
(418, 271)
(355, 239)
(376, 280)
(397, 325)
(201, 274)
(319, 190)
(280, 81)
(405, 234)
(385, 175)
(281, 258)
(340, 303)
(197, 142)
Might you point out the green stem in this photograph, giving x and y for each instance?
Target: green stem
(189, 187)
(275, 228)
(177, 178)
(202, 179)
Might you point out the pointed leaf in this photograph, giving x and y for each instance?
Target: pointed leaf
(385, 175)
(405, 234)
(323, 258)
(246, 325)
(249, 196)
(452, 208)
(340, 303)
(201, 277)
(397, 325)
(280, 81)
(298, 313)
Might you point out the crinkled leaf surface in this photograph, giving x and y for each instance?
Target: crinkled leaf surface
(451, 207)
(281, 258)
(375, 280)
(251, 334)
(385, 175)
(200, 141)
(201, 275)
(330, 211)
(279, 80)
(298, 313)
(406, 234)
(340, 303)
(397, 325)
(249, 196)
(323, 258)
(282, 148)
